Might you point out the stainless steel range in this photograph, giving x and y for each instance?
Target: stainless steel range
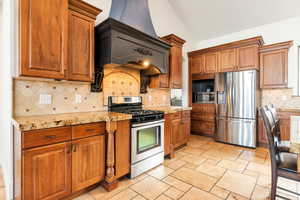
(147, 133)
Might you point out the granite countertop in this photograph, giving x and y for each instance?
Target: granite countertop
(169, 109)
(59, 120)
(293, 110)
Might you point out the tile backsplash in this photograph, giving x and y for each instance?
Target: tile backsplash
(27, 93)
(280, 98)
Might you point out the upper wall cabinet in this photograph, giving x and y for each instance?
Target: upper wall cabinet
(44, 38)
(210, 62)
(57, 38)
(235, 56)
(227, 60)
(274, 65)
(173, 78)
(248, 57)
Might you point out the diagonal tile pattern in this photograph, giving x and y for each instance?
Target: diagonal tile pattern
(203, 170)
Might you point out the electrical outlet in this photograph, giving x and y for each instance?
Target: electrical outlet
(78, 98)
(164, 98)
(45, 99)
(149, 98)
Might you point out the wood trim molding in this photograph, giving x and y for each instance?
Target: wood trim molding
(202, 76)
(277, 46)
(84, 8)
(174, 40)
(251, 41)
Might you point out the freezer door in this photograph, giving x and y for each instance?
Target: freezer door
(242, 95)
(237, 131)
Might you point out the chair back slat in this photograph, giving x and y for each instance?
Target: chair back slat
(270, 128)
(273, 111)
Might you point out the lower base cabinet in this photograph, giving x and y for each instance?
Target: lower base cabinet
(87, 162)
(285, 127)
(47, 172)
(177, 130)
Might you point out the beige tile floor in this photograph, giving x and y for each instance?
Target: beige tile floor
(203, 170)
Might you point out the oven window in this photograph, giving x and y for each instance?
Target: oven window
(148, 138)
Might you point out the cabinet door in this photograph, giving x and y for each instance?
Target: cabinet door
(43, 31)
(274, 69)
(227, 60)
(248, 57)
(167, 134)
(47, 172)
(88, 162)
(211, 62)
(123, 143)
(81, 47)
(262, 134)
(176, 67)
(176, 130)
(197, 65)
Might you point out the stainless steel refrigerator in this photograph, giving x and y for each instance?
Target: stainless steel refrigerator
(237, 99)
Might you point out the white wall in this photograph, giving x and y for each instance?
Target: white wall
(272, 33)
(165, 21)
(7, 61)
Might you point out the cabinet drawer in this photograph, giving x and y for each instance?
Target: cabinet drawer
(203, 116)
(87, 130)
(203, 127)
(176, 115)
(186, 115)
(37, 138)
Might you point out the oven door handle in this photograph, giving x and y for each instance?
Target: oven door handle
(148, 123)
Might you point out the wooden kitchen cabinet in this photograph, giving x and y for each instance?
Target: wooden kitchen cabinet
(274, 65)
(57, 39)
(185, 127)
(248, 57)
(123, 144)
(44, 38)
(88, 166)
(211, 62)
(81, 47)
(168, 147)
(285, 127)
(176, 132)
(197, 64)
(175, 64)
(227, 60)
(180, 128)
(47, 172)
(234, 56)
(59, 162)
(203, 119)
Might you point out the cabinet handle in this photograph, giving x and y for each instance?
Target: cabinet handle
(49, 137)
(89, 130)
(69, 149)
(74, 148)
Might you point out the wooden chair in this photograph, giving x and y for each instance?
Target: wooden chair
(283, 146)
(283, 164)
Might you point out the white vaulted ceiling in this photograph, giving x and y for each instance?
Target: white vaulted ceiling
(208, 19)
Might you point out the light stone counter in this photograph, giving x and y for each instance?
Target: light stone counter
(169, 109)
(59, 120)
